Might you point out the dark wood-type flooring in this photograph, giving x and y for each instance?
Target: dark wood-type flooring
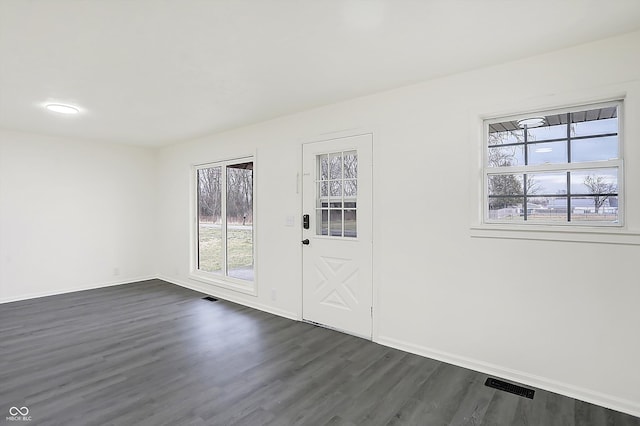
(152, 353)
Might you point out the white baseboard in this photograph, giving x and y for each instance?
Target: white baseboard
(74, 289)
(213, 291)
(593, 397)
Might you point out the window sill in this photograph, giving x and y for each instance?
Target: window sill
(583, 234)
(240, 286)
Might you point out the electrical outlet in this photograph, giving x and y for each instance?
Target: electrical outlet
(274, 295)
(116, 271)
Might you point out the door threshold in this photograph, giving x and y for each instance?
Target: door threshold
(328, 327)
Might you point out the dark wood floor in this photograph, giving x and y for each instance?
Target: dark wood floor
(154, 354)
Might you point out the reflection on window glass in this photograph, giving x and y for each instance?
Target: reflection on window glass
(547, 153)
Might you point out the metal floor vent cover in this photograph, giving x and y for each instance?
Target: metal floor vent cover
(509, 387)
(210, 299)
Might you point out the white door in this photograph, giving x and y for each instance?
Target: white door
(337, 244)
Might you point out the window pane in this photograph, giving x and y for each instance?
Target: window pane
(544, 133)
(335, 166)
(322, 222)
(589, 209)
(547, 209)
(499, 138)
(501, 185)
(323, 169)
(596, 127)
(335, 188)
(505, 156)
(509, 209)
(323, 188)
(210, 220)
(547, 153)
(547, 183)
(240, 221)
(350, 188)
(596, 149)
(350, 223)
(351, 165)
(335, 223)
(596, 183)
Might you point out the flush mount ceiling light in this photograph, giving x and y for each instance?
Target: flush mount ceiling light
(531, 122)
(62, 109)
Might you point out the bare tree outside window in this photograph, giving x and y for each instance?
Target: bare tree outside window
(209, 197)
(507, 189)
(600, 190)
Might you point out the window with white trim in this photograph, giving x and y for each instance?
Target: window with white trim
(561, 167)
(225, 217)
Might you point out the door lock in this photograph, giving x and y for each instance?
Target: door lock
(305, 241)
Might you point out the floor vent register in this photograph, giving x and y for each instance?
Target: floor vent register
(509, 387)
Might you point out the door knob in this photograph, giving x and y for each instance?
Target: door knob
(305, 241)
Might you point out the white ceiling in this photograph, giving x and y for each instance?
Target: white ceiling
(153, 72)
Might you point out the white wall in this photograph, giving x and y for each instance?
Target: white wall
(440, 292)
(71, 212)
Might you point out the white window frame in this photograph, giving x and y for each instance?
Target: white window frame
(550, 226)
(221, 280)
